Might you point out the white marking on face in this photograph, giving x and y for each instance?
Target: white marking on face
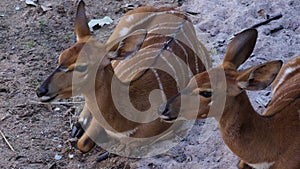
(129, 18)
(264, 165)
(210, 103)
(124, 31)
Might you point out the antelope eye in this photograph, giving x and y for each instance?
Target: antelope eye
(205, 94)
(81, 68)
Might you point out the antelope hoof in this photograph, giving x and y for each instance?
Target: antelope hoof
(102, 156)
(77, 131)
(85, 144)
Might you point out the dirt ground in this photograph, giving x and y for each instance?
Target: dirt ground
(31, 40)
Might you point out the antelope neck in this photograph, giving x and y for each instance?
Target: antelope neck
(244, 130)
(105, 103)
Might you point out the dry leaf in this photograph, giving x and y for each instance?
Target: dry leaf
(31, 2)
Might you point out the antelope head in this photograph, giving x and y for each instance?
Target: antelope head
(216, 87)
(84, 59)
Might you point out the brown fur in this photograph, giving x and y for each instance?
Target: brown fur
(271, 137)
(139, 89)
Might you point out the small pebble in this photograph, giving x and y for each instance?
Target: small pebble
(71, 156)
(58, 157)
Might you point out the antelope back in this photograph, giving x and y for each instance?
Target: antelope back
(168, 58)
(286, 87)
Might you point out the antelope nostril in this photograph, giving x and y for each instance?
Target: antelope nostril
(41, 91)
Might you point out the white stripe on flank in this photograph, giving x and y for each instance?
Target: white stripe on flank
(179, 61)
(186, 58)
(285, 74)
(161, 87)
(135, 63)
(196, 63)
(173, 69)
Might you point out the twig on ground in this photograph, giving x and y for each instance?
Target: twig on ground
(9, 145)
(276, 29)
(267, 21)
(60, 103)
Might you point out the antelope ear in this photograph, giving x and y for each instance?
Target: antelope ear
(129, 46)
(259, 77)
(241, 47)
(81, 22)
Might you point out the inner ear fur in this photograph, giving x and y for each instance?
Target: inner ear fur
(259, 77)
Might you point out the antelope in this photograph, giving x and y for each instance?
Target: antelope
(144, 36)
(270, 140)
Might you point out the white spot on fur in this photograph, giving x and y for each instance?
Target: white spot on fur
(210, 103)
(129, 18)
(124, 31)
(264, 165)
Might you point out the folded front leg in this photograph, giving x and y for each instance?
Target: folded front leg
(93, 134)
(82, 124)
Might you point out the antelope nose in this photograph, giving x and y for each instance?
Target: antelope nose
(41, 91)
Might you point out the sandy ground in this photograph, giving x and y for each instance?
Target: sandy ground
(31, 40)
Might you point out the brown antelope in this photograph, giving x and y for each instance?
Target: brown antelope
(271, 140)
(144, 36)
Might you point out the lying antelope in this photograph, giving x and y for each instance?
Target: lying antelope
(144, 36)
(271, 140)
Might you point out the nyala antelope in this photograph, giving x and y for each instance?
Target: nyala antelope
(144, 36)
(270, 140)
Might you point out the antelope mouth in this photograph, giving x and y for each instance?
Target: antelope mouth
(46, 99)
